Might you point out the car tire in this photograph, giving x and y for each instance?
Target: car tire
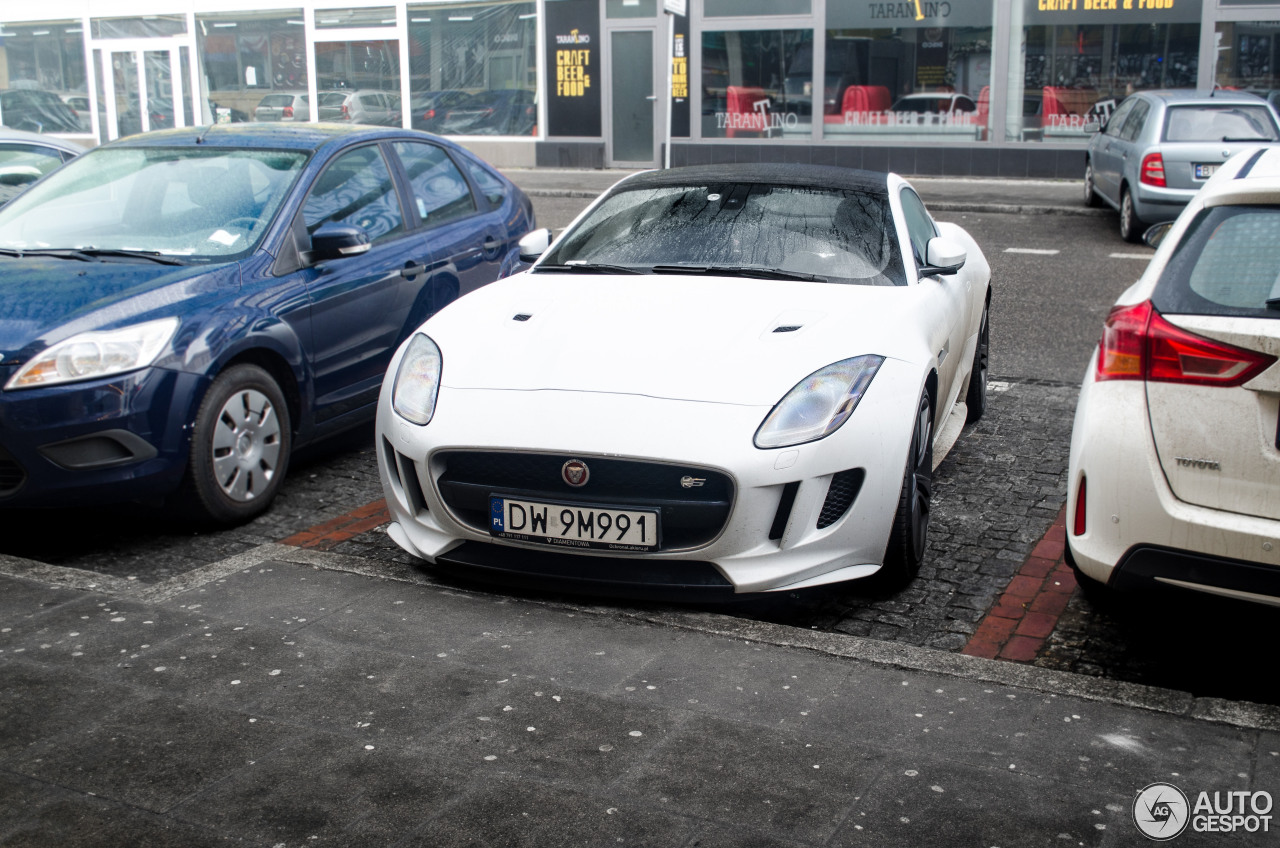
(239, 448)
(1130, 225)
(1090, 196)
(910, 533)
(975, 400)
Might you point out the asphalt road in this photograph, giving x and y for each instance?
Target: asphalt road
(997, 494)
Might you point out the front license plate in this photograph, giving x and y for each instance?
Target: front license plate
(568, 526)
(1204, 172)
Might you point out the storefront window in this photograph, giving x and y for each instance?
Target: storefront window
(247, 56)
(473, 68)
(359, 81)
(44, 73)
(891, 76)
(1249, 58)
(1075, 64)
(757, 84)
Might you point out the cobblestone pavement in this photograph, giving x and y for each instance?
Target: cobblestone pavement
(996, 495)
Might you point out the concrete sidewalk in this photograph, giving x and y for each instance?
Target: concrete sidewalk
(941, 194)
(290, 697)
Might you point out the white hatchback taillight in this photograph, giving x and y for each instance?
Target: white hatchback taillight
(1138, 343)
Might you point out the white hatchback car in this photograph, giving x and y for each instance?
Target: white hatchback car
(717, 380)
(1175, 454)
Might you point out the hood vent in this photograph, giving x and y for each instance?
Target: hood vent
(787, 328)
(521, 316)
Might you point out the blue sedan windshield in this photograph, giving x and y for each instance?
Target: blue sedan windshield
(188, 202)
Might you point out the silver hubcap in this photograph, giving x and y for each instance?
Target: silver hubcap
(246, 445)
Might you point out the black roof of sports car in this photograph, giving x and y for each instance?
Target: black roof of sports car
(816, 176)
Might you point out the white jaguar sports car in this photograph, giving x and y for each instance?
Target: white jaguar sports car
(725, 379)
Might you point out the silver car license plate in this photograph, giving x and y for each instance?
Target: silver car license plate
(1205, 171)
(573, 526)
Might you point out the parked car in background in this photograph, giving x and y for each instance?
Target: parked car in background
(26, 157)
(717, 380)
(378, 108)
(283, 106)
(510, 111)
(936, 103)
(427, 109)
(1159, 147)
(79, 104)
(182, 308)
(217, 112)
(1175, 453)
(160, 116)
(37, 111)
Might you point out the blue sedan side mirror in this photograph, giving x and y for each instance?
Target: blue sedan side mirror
(334, 241)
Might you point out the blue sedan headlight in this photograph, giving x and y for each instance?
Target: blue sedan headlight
(413, 396)
(87, 356)
(819, 403)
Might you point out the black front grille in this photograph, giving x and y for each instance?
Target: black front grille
(693, 502)
(12, 475)
(840, 496)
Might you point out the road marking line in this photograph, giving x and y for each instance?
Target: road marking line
(1032, 250)
(1143, 256)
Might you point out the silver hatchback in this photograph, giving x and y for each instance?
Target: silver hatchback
(1159, 147)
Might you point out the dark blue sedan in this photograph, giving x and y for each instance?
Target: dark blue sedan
(180, 310)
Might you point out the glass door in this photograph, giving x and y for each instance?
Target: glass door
(139, 90)
(633, 98)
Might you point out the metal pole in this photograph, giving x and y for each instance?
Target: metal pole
(671, 42)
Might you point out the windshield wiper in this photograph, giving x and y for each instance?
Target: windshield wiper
(1273, 303)
(590, 268)
(94, 254)
(740, 271)
(1226, 139)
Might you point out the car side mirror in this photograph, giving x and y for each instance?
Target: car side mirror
(335, 241)
(1156, 233)
(534, 244)
(942, 256)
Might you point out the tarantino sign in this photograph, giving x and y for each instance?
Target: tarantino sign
(573, 67)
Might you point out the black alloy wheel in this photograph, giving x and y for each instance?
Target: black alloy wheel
(910, 533)
(975, 400)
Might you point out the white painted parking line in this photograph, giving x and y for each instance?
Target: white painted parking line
(1032, 250)
(1143, 256)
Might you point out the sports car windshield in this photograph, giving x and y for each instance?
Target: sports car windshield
(738, 229)
(197, 203)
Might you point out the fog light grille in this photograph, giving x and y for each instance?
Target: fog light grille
(840, 496)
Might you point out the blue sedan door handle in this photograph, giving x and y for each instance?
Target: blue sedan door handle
(410, 270)
(492, 245)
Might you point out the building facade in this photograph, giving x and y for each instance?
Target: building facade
(947, 87)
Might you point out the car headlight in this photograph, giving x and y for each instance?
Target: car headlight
(417, 381)
(100, 353)
(819, 403)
